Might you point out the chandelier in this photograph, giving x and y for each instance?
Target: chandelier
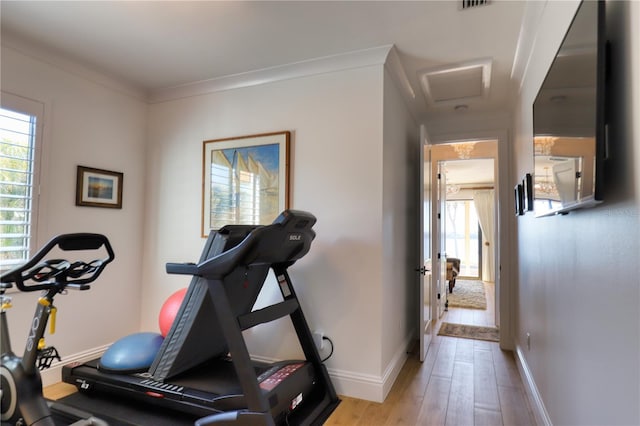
(463, 150)
(543, 145)
(545, 186)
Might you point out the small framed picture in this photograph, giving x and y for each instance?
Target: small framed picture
(527, 184)
(518, 192)
(98, 188)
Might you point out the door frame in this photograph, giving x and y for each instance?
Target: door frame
(504, 222)
(439, 255)
(426, 322)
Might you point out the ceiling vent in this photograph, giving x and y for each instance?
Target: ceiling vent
(471, 4)
(454, 83)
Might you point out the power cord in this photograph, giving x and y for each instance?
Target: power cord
(330, 353)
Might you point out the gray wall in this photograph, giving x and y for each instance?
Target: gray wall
(578, 288)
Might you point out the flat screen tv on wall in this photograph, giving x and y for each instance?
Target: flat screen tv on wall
(569, 123)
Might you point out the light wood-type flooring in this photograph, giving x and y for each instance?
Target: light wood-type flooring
(462, 382)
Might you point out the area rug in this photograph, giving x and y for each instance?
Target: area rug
(468, 294)
(465, 331)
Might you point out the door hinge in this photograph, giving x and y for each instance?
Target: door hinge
(423, 270)
(438, 296)
(438, 255)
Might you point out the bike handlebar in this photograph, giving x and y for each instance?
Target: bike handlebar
(59, 272)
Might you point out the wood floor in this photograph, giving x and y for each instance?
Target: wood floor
(462, 382)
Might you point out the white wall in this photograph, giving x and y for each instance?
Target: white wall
(578, 287)
(336, 120)
(344, 169)
(89, 124)
(400, 205)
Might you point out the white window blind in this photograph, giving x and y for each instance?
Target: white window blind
(18, 183)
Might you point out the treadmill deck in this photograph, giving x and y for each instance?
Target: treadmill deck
(210, 388)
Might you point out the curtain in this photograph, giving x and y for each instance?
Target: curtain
(484, 203)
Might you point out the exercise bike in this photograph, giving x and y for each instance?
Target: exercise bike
(21, 390)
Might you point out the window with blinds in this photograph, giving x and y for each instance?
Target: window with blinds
(17, 186)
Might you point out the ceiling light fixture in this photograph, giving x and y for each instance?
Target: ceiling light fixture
(546, 186)
(453, 189)
(543, 145)
(463, 150)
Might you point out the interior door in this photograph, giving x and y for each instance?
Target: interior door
(425, 326)
(566, 180)
(441, 257)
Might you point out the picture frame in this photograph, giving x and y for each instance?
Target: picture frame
(527, 184)
(99, 188)
(245, 180)
(518, 191)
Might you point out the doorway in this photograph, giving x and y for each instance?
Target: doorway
(462, 173)
(469, 240)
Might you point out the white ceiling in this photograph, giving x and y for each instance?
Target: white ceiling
(155, 45)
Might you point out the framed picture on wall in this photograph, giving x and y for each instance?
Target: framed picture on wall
(518, 192)
(245, 180)
(98, 188)
(527, 185)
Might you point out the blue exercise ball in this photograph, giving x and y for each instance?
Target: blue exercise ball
(131, 354)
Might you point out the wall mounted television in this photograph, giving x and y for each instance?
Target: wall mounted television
(569, 123)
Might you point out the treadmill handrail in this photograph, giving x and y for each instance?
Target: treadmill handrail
(182, 268)
(217, 267)
(221, 265)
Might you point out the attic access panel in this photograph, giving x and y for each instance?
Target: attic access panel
(453, 83)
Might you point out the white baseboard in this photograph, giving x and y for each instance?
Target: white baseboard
(396, 364)
(368, 386)
(53, 374)
(535, 399)
(364, 386)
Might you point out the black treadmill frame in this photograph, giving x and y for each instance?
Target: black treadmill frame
(315, 407)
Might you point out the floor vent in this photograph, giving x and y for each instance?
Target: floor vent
(469, 4)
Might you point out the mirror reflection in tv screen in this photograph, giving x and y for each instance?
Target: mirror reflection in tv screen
(566, 120)
(564, 172)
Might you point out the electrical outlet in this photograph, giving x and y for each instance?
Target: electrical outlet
(318, 339)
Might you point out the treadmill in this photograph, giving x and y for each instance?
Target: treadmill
(203, 366)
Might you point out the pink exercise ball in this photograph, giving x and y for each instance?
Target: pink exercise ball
(169, 311)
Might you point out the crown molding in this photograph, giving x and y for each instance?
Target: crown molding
(386, 55)
(394, 65)
(526, 40)
(398, 74)
(322, 65)
(41, 53)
